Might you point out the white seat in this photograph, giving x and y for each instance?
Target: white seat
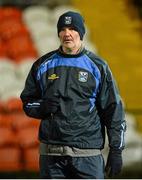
(46, 44)
(36, 12)
(62, 9)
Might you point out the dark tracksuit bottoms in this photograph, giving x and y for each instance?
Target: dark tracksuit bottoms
(67, 167)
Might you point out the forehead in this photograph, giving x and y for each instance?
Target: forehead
(69, 28)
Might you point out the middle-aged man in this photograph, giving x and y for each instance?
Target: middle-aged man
(73, 92)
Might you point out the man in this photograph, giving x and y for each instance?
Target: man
(73, 91)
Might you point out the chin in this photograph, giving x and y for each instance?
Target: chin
(68, 46)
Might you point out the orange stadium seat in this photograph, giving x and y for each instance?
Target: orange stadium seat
(10, 12)
(25, 50)
(28, 137)
(11, 28)
(1, 107)
(7, 137)
(13, 104)
(31, 157)
(15, 35)
(34, 122)
(3, 52)
(21, 121)
(10, 159)
(6, 120)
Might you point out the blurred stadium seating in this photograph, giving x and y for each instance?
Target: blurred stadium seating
(112, 32)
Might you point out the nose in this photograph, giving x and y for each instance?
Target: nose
(67, 32)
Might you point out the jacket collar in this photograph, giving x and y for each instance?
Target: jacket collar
(61, 53)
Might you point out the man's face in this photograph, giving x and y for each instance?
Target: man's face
(69, 38)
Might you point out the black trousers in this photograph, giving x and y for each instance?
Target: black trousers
(67, 167)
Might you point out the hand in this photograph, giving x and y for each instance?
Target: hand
(50, 105)
(114, 163)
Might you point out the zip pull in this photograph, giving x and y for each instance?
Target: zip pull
(52, 116)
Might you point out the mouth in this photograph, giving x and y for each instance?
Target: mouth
(67, 40)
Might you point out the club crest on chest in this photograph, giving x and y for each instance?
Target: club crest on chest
(83, 76)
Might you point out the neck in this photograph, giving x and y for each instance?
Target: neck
(72, 50)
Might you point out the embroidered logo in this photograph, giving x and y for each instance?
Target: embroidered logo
(68, 20)
(83, 76)
(53, 77)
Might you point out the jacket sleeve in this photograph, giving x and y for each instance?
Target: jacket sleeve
(111, 110)
(31, 96)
